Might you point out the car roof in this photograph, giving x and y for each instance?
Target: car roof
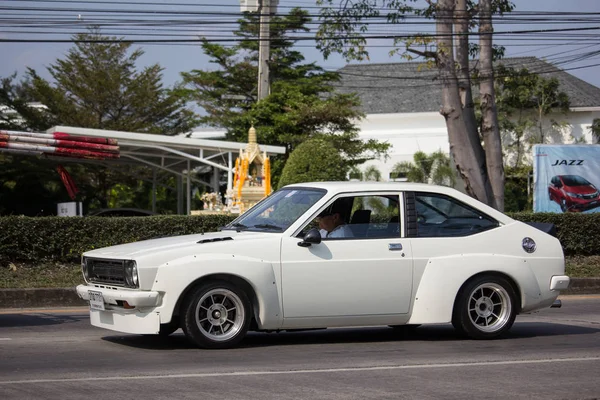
(345, 186)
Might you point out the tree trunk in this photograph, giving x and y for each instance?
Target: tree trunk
(489, 126)
(461, 142)
(464, 86)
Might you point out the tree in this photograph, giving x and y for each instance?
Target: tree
(434, 169)
(97, 86)
(343, 32)
(314, 160)
(17, 111)
(302, 103)
(527, 101)
(595, 129)
(371, 173)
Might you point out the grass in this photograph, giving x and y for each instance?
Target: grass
(40, 276)
(583, 267)
(16, 276)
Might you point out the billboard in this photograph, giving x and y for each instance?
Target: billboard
(566, 178)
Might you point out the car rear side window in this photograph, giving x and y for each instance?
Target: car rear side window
(443, 216)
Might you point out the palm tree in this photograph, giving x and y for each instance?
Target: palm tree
(595, 128)
(432, 169)
(371, 173)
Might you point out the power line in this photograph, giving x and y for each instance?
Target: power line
(295, 38)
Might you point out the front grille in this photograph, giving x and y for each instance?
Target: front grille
(589, 196)
(106, 271)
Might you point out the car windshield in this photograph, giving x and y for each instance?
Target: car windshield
(575, 180)
(278, 211)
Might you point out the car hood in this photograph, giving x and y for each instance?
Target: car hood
(197, 242)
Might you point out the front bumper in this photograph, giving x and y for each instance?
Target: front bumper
(582, 205)
(116, 297)
(140, 318)
(135, 322)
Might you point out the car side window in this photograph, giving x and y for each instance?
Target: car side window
(364, 217)
(376, 216)
(443, 216)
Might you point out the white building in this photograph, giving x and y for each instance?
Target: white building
(402, 102)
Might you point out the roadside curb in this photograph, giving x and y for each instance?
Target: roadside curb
(67, 297)
(44, 297)
(583, 286)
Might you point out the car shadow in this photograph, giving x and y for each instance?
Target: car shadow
(431, 333)
(39, 319)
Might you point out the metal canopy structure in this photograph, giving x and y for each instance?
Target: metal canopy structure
(178, 155)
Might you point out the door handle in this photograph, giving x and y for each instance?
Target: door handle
(394, 246)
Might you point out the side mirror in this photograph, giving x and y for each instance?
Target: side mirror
(313, 236)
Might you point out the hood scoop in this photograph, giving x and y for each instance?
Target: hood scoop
(219, 239)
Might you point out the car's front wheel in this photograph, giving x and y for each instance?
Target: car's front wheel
(217, 315)
(485, 308)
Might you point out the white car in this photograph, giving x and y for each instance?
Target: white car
(413, 254)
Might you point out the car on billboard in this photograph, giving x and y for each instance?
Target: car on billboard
(573, 193)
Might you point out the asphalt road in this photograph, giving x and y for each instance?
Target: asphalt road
(56, 354)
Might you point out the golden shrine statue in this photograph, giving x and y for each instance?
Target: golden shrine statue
(252, 180)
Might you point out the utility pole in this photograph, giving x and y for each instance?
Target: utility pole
(264, 41)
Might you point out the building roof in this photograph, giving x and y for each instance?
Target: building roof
(410, 87)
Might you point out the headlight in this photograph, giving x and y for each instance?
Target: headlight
(131, 274)
(85, 269)
(574, 195)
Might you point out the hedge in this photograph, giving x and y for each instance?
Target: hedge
(63, 239)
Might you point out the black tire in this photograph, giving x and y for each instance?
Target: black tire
(485, 308)
(216, 315)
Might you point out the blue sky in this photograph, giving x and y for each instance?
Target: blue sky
(566, 48)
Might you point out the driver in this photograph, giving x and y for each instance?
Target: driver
(332, 224)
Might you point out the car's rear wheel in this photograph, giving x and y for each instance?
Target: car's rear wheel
(485, 308)
(217, 315)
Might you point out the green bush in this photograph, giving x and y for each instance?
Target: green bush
(63, 239)
(315, 160)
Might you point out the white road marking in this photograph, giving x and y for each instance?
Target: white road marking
(5, 338)
(306, 371)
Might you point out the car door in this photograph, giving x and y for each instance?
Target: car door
(369, 274)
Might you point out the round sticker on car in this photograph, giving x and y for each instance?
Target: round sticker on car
(529, 245)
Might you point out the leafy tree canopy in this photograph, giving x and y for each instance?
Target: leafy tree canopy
(344, 31)
(97, 86)
(314, 160)
(302, 103)
(526, 103)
